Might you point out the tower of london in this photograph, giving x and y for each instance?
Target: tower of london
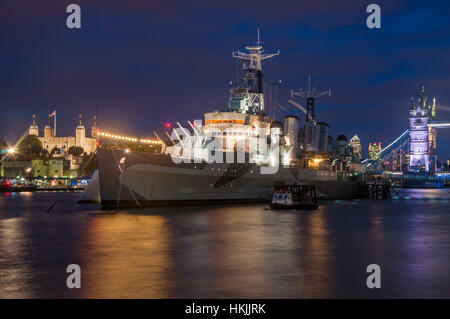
(50, 140)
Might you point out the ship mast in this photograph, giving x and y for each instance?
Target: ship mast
(311, 95)
(254, 76)
(310, 120)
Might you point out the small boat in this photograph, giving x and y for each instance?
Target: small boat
(7, 187)
(295, 196)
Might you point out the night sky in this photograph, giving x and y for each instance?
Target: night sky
(148, 62)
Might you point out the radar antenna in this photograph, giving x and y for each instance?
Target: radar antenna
(252, 64)
(311, 94)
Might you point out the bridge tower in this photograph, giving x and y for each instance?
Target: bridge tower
(422, 145)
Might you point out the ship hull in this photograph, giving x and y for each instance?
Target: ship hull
(142, 179)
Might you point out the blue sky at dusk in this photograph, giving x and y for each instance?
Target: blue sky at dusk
(148, 62)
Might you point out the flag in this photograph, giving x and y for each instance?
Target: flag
(52, 114)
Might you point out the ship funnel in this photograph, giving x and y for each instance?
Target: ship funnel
(291, 133)
(322, 128)
(276, 128)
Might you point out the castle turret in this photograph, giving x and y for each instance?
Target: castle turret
(94, 129)
(422, 146)
(433, 109)
(412, 107)
(80, 134)
(48, 130)
(33, 130)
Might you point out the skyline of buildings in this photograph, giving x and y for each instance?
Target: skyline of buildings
(88, 143)
(355, 143)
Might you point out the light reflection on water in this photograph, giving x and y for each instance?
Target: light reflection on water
(226, 252)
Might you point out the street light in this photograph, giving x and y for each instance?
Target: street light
(11, 150)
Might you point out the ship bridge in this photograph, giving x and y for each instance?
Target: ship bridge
(233, 123)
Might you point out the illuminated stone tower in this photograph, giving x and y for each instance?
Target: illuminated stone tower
(80, 134)
(422, 145)
(48, 130)
(33, 130)
(94, 129)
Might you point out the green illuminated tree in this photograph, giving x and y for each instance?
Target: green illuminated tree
(30, 146)
(75, 150)
(3, 148)
(55, 150)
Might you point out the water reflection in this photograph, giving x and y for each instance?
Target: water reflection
(226, 252)
(317, 255)
(126, 256)
(16, 276)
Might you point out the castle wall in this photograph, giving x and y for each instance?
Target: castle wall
(48, 143)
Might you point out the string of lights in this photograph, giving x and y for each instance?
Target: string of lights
(128, 138)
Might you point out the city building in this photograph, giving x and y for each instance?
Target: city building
(374, 148)
(446, 165)
(422, 145)
(341, 146)
(400, 161)
(355, 144)
(50, 140)
(14, 169)
(51, 167)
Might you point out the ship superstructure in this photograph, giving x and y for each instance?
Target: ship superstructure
(244, 118)
(245, 115)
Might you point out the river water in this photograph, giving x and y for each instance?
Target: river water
(234, 251)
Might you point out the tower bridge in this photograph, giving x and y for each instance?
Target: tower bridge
(439, 124)
(419, 140)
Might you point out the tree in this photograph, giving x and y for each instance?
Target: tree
(75, 150)
(3, 144)
(55, 150)
(30, 146)
(3, 148)
(45, 154)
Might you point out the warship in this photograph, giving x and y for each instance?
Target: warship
(231, 171)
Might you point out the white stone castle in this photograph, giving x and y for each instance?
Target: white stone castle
(50, 141)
